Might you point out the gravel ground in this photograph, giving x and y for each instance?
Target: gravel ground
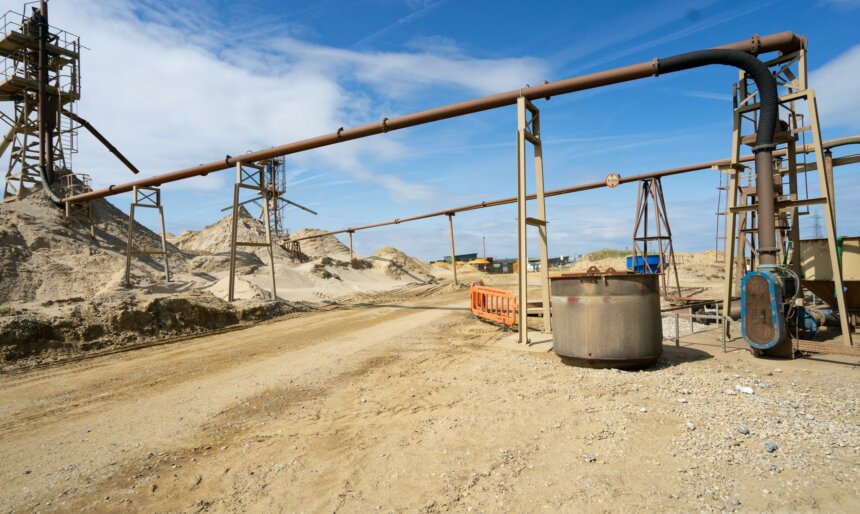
(742, 423)
(684, 326)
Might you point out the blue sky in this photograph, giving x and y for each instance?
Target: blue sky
(174, 84)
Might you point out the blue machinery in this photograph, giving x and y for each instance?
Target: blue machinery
(767, 297)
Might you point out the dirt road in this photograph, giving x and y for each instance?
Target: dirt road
(413, 406)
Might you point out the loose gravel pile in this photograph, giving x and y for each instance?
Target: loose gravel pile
(685, 326)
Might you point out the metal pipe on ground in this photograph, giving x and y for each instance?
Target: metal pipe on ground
(833, 143)
(782, 42)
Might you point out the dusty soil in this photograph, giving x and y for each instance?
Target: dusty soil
(408, 404)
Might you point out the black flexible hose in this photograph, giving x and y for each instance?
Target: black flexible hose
(764, 145)
(756, 69)
(46, 186)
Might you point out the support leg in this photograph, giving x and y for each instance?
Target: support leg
(794, 230)
(130, 247)
(828, 169)
(825, 187)
(541, 208)
(164, 243)
(266, 201)
(351, 255)
(453, 254)
(522, 255)
(90, 219)
(234, 228)
(731, 198)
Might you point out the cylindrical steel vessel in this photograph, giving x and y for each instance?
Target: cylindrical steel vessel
(606, 319)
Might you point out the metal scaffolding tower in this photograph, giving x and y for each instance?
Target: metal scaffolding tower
(795, 96)
(40, 77)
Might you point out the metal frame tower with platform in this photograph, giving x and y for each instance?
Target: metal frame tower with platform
(40, 76)
(267, 179)
(790, 70)
(645, 241)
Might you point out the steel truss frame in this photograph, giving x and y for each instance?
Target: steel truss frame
(791, 75)
(148, 198)
(651, 192)
(20, 75)
(528, 131)
(253, 177)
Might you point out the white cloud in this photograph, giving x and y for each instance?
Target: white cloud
(835, 86)
(422, 9)
(169, 93)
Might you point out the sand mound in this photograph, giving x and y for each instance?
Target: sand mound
(246, 262)
(46, 258)
(399, 265)
(328, 246)
(215, 238)
(123, 318)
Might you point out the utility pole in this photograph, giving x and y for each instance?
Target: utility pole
(816, 225)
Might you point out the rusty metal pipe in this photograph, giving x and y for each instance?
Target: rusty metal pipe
(46, 130)
(765, 208)
(833, 143)
(103, 140)
(42, 100)
(782, 42)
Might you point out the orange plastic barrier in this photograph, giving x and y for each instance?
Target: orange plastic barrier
(493, 304)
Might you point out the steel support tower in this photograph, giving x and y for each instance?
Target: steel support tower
(40, 82)
(795, 96)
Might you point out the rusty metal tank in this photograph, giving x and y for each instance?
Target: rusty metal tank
(606, 319)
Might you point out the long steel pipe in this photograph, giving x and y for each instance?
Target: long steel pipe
(833, 143)
(782, 42)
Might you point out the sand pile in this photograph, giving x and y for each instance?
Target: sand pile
(702, 266)
(465, 267)
(62, 291)
(125, 317)
(209, 248)
(692, 266)
(401, 266)
(215, 238)
(328, 246)
(603, 263)
(45, 258)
